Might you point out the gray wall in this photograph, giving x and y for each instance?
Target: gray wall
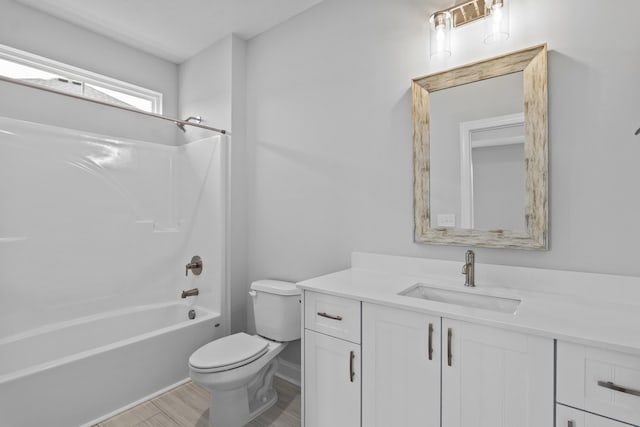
(499, 186)
(329, 134)
(212, 85)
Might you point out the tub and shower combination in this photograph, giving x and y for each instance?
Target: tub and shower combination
(95, 232)
(87, 369)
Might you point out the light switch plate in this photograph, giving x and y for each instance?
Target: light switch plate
(446, 220)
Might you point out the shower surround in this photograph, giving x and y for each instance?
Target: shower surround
(95, 233)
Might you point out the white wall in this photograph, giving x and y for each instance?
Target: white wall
(211, 85)
(27, 29)
(329, 134)
(204, 86)
(53, 109)
(329, 129)
(33, 31)
(448, 109)
(499, 186)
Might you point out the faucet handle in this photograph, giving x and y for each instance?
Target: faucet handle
(465, 268)
(195, 266)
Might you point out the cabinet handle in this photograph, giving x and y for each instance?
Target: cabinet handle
(615, 387)
(430, 341)
(571, 423)
(352, 374)
(449, 355)
(329, 316)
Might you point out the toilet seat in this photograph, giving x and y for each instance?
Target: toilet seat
(228, 353)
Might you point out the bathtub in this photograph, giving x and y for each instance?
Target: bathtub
(79, 372)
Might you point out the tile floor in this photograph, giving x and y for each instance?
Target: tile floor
(188, 406)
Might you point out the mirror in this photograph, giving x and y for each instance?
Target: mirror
(480, 153)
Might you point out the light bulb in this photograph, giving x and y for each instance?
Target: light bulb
(440, 29)
(496, 21)
(440, 37)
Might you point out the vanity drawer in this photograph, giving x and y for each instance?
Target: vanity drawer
(569, 417)
(331, 315)
(600, 381)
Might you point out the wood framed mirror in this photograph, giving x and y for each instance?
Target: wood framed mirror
(480, 173)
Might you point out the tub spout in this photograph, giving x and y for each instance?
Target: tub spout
(190, 293)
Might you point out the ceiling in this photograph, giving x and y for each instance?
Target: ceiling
(173, 30)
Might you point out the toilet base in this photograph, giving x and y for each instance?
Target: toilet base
(266, 406)
(235, 408)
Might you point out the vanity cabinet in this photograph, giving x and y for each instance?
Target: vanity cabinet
(332, 360)
(372, 365)
(598, 381)
(400, 367)
(414, 365)
(495, 378)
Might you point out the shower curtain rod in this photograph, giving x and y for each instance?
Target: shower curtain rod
(121, 107)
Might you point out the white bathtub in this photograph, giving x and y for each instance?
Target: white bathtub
(79, 372)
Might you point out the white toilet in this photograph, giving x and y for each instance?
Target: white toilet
(238, 369)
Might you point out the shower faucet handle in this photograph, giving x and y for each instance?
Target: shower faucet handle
(195, 266)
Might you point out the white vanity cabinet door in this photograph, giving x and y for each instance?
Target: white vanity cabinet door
(331, 382)
(495, 378)
(570, 417)
(400, 368)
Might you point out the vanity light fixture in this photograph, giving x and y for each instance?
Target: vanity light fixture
(494, 12)
(440, 38)
(496, 20)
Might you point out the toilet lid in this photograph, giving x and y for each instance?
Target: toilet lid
(229, 352)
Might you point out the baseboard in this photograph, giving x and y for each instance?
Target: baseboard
(289, 372)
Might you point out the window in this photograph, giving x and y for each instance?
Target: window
(38, 70)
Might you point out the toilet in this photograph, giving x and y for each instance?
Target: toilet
(238, 369)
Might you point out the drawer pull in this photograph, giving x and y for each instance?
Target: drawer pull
(615, 387)
(330, 316)
(449, 352)
(430, 341)
(352, 374)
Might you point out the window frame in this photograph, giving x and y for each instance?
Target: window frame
(84, 76)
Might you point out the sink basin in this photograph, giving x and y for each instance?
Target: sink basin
(463, 297)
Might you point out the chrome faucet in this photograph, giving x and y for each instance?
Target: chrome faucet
(468, 269)
(190, 293)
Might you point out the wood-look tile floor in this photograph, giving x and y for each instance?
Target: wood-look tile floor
(188, 406)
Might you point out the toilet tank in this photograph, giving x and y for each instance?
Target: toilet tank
(276, 306)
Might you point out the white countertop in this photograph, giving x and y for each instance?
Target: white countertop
(586, 318)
